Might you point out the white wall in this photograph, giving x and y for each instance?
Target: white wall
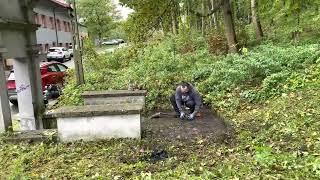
(99, 127)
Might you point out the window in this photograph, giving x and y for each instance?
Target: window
(44, 21)
(72, 26)
(65, 26)
(54, 50)
(58, 25)
(61, 67)
(36, 18)
(69, 27)
(62, 25)
(51, 23)
(46, 47)
(52, 68)
(40, 48)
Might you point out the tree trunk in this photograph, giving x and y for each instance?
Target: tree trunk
(174, 22)
(255, 19)
(215, 21)
(229, 27)
(296, 34)
(189, 14)
(100, 39)
(211, 22)
(203, 25)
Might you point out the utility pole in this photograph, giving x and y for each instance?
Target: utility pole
(77, 53)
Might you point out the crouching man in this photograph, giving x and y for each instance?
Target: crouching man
(186, 95)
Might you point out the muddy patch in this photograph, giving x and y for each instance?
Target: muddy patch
(167, 127)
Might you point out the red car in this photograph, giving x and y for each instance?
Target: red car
(52, 73)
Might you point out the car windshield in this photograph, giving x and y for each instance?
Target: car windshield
(53, 50)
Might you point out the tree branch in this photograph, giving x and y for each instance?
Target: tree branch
(213, 10)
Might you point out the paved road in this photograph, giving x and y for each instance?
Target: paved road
(70, 64)
(15, 110)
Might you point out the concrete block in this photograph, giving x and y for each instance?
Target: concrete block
(99, 127)
(94, 122)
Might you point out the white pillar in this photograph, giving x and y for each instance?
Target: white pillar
(24, 93)
(5, 114)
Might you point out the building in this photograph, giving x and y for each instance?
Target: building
(55, 24)
(55, 27)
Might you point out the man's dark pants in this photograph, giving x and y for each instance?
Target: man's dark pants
(190, 104)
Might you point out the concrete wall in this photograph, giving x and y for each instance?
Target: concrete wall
(99, 127)
(10, 9)
(15, 44)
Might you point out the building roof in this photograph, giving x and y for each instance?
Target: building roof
(61, 3)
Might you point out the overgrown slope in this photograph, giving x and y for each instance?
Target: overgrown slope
(224, 81)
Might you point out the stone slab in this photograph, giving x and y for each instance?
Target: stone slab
(113, 93)
(31, 136)
(114, 100)
(95, 110)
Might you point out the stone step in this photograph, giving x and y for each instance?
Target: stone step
(31, 136)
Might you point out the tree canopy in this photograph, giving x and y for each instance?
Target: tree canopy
(98, 16)
(282, 18)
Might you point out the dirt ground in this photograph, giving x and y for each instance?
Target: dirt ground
(208, 126)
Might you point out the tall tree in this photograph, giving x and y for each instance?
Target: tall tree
(98, 16)
(174, 17)
(256, 20)
(229, 27)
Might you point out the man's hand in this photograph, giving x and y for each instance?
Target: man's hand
(182, 115)
(191, 116)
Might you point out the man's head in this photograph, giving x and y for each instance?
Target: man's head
(185, 87)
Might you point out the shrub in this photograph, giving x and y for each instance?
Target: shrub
(217, 43)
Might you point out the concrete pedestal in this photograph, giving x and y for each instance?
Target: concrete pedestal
(23, 88)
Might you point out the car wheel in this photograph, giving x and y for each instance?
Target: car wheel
(14, 102)
(63, 59)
